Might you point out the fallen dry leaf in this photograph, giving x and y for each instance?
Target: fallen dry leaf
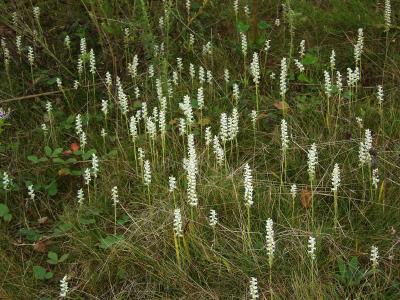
(281, 105)
(40, 246)
(305, 198)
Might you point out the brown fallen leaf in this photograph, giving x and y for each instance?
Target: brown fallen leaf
(305, 198)
(40, 246)
(281, 105)
(43, 220)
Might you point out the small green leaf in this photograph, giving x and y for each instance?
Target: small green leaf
(52, 188)
(242, 27)
(53, 258)
(63, 258)
(40, 273)
(3, 210)
(48, 151)
(309, 59)
(49, 275)
(86, 221)
(110, 240)
(31, 235)
(33, 158)
(57, 152)
(58, 160)
(262, 25)
(7, 217)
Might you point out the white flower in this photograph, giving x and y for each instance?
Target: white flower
(284, 136)
(76, 84)
(186, 107)
(328, 84)
(82, 139)
(192, 72)
(235, 93)
(387, 15)
(87, 176)
(104, 107)
(299, 65)
(49, 107)
(293, 190)
(114, 195)
(108, 80)
(332, 60)
(179, 63)
(36, 13)
(375, 178)
(302, 48)
(339, 83)
(18, 43)
(365, 146)
(147, 173)
(80, 196)
(379, 94)
(83, 46)
(182, 126)
(335, 178)
(78, 124)
(233, 124)
(200, 97)
(63, 287)
(253, 116)
(270, 240)
(312, 161)
(209, 77)
(218, 151)
(122, 98)
(244, 43)
(226, 75)
(172, 183)
(31, 56)
(95, 165)
(311, 247)
(248, 186)
(190, 165)
(253, 289)
(201, 75)
(255, 69)
(267, 45)
(283, 77)
(178, 230)
(80, 66)
(374, 257)
(92, 62)
(31, 192)
(359, 46)
(103, 133)
(133, 128)
(213, 218)
(44, 127)
(6, 181)
(223, 128)
(277, 22)
(207, 135)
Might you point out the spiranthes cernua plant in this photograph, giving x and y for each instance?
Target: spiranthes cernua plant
(80, 196)
(172, 185)
(283, 80)
(299, 65)
(379, 96)
(302, 48)
(178, 233)
(218, 151)
(64, 287)
(115, 200)
(335, 186)
(311, 253)
(374, 257)
(387, 15)
(186, 107)
(293, 193)
(270, 241)
(312, 162)
(248, 195)
(284, 147)
(95, 165)
(31, 192)
(213, 218)
(253, 289)
(359, 46)
(255, 72)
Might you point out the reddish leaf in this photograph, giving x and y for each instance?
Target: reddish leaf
(74, 147)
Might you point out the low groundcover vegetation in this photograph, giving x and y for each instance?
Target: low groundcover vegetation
(200, 149)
